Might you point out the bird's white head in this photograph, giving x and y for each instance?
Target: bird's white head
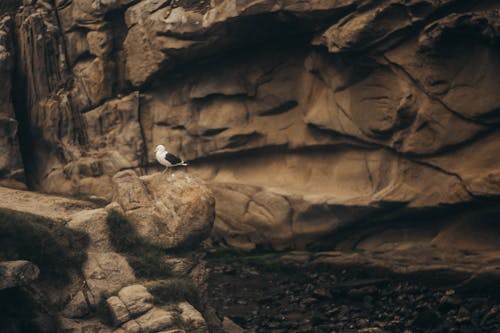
(160, 148)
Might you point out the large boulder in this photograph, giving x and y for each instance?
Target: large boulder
(174, 210)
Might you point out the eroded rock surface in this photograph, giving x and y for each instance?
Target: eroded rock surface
(105, 271)
(170, 211)
(77, 292)
(307, 118)
(11, 168)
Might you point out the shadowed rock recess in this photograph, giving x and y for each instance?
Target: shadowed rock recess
(329, 124)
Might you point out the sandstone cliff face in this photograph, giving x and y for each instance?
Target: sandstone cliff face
(11, 169)
(306, 117)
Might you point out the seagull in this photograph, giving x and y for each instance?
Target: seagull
(166, 159)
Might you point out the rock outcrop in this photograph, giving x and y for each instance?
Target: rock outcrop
(307, 118)
(335, 124)
(134, 311)
(79, 290)
(105, 271)
(168, 211)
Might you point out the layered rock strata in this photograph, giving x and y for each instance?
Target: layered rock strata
(308, 118)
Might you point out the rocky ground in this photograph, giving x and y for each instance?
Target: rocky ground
(76, 266)
(262, 294)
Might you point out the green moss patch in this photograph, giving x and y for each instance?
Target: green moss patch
(238, 259)
(102, 311)
(147, 260)
(50, 245)
(173, 290)
(21, 312)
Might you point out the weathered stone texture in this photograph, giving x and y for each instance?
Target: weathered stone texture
(168, 211)
(11, 168)
(305, 117)
(17, 273)
(133, 310)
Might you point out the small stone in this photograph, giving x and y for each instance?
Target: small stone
(136, 298)
(371, 330)
(492, 313)
(463, 312)
(155, 320)
(449, 292)
(309, 300)
(448, 302)
(118, 310)
(362, 322)
(191, 317)
(322, 293)
(131, 327)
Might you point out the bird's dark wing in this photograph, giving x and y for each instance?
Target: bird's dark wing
(172, 158)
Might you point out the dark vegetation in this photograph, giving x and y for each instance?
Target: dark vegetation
(102, 312)
(173, 290)
(87, 199)
(55, 249)
(22, 312)
(238, 259)
(146, 259)
(48, 244)
(199, 6)
(9, 6)
(98, 201)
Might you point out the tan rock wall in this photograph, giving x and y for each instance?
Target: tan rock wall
(307, 117)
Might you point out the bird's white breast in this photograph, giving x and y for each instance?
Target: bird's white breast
(160, 157)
